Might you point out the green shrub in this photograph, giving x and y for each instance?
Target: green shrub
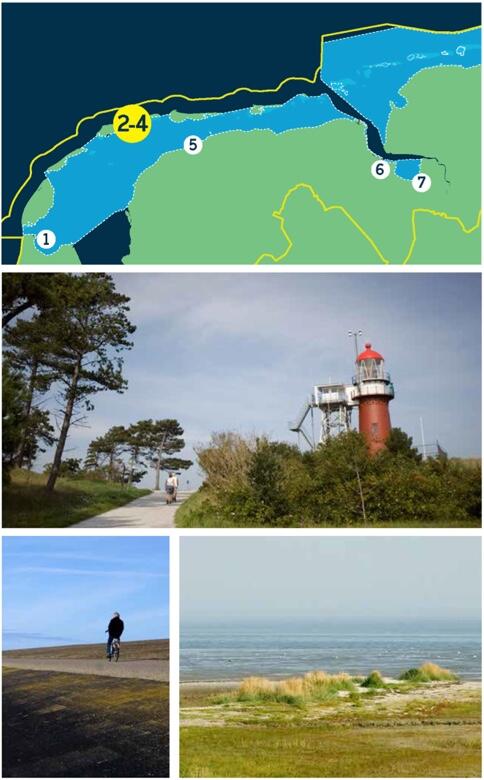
(374, 680)
(254, 482)
(412, 675)
(429, 672)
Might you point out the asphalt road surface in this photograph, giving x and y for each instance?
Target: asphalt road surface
(140, 670)
(150, 511)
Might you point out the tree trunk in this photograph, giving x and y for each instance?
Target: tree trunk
(158, 463)
(28, 409)
(362, 498)
(71, 399)
(131, 468)
(158, 470)
(15, 312)
(111, 467)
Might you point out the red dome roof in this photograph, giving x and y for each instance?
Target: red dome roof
(369, 354)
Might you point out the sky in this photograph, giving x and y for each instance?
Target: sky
(242, 352)
(61, 590)
(399, 578)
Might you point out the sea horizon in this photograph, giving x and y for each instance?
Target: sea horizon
(13, 640)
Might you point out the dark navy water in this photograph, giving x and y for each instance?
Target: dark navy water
(108, 243)
(235, 650)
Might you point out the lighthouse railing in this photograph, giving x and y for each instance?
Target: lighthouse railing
(363, 376)
(374, 388)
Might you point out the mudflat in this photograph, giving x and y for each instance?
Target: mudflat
(68, 724)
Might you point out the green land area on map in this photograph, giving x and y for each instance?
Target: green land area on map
(219, 206)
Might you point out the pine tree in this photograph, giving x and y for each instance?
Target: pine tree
(108, 447)
(160, 440)
(90, 329)
(28, 351)
(13, 401)
(24, 291)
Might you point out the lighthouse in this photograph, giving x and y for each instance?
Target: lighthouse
(373, 391)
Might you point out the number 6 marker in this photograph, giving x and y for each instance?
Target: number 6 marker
(380, 169)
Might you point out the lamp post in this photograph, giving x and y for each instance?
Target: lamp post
(354, 335)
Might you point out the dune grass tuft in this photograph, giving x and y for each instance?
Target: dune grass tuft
(314, 686)
(429, 672)
(318, 686)
(374, 680)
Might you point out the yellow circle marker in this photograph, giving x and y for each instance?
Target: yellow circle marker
(132, 124)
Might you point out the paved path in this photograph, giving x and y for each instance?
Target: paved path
(141, 670)
(147, 512)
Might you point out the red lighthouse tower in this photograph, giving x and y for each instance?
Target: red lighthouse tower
(373, 390)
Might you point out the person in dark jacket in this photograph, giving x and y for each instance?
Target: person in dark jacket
(114, 631)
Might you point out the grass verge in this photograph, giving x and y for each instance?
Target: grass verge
(26, 504)
(189, 514)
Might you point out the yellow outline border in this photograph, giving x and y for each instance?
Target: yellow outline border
(382, 25)
(335, 207)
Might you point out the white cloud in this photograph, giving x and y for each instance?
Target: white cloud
(120, 572)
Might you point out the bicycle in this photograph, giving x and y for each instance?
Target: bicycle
(115, 647)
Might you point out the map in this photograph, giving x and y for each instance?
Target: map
(358, 144)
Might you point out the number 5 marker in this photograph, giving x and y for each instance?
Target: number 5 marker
(193, 144)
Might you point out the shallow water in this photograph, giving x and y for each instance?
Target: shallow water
(369, 70)
(100, 181)
(231, 651)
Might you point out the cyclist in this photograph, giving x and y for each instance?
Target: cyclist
(171, 486)
(114, 631)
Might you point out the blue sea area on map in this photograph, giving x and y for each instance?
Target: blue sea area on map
(369, 70)
(100, 180)
(407, 169)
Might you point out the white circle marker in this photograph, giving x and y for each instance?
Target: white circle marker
(421, 182)
(46, 239)
(193, 144)
(380, 169)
